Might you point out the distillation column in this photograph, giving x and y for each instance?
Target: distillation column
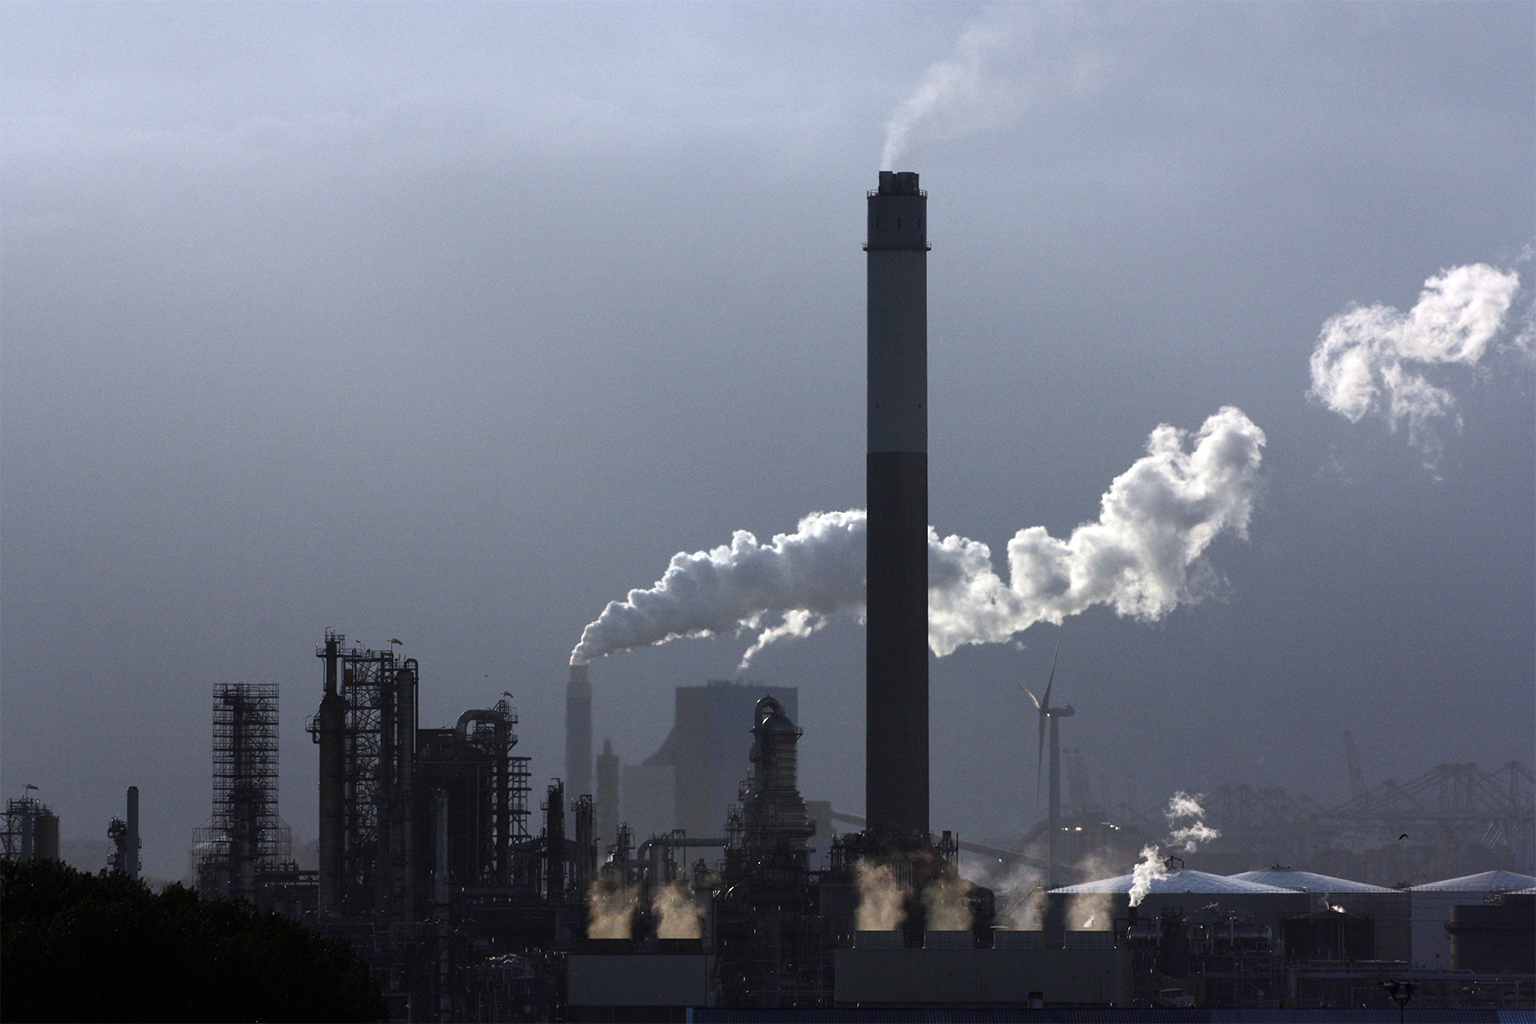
(328, 733)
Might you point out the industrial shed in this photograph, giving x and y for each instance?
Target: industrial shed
(1386, 908)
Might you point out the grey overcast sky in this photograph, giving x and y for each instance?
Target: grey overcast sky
(454, 322)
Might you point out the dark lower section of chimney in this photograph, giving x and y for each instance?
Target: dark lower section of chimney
(896, 693)
(578, 732)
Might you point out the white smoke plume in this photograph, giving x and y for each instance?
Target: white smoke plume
(1191, 836)
(801, 578)
(1141, 557)
(1150, 868)
(1371, 360)
(1187, 837)
(880, 898)
(610, 909)
(678, 915)
(1182, 805)
(1007, 60)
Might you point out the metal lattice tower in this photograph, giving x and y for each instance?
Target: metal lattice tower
(245, 835)
(366, 686)
(29, 830)
(515, 822)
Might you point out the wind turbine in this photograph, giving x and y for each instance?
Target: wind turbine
(1053, 715)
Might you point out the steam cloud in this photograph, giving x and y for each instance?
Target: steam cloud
(1022, 894)
(1142, 557)
(678, 914)
(1150, 868)
(1370, 360)
(880, 898)
(1004, 61)
(1091, 911)
(610, 909)
(947, 904)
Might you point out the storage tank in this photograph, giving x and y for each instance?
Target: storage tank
(1430, 907)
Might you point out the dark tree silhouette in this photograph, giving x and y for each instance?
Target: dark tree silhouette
(103, 947)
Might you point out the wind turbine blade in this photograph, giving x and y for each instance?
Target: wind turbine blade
(1052, 678)
(1039, 750)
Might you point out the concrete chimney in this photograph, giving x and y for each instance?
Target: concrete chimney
(578, 732)
(132, 844)
(896, 659)
(607, 793)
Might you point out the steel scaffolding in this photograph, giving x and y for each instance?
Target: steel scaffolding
(366, 686)
(30, 831)
(245, 835)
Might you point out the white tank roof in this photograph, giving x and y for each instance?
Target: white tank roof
(1483, 881)
(1307, 881)
(1184, 880)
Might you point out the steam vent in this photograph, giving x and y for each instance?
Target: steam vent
(896, 691)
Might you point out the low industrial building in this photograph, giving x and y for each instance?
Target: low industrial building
(1430, 906)
(1341, 907)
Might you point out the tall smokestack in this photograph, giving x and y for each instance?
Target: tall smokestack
(896, 657)
(607, 793)
(578, 732)
(131, 844)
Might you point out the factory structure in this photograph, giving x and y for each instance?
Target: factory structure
(469, 903)
(244, 844)
(692, 779)
(31, 830)
(700, 884)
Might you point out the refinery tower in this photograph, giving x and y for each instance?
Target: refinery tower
(896, 657)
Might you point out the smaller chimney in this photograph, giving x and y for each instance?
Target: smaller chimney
(131, 850)
(607, 794)
(578, 732)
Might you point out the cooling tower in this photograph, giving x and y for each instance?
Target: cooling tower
(896, 689)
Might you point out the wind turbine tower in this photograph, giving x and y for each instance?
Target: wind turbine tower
(1053, 716)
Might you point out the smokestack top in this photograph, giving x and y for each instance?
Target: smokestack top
(579, 686)
(898, 183)
(898, 213)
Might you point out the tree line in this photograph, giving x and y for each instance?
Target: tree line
(82, 947)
